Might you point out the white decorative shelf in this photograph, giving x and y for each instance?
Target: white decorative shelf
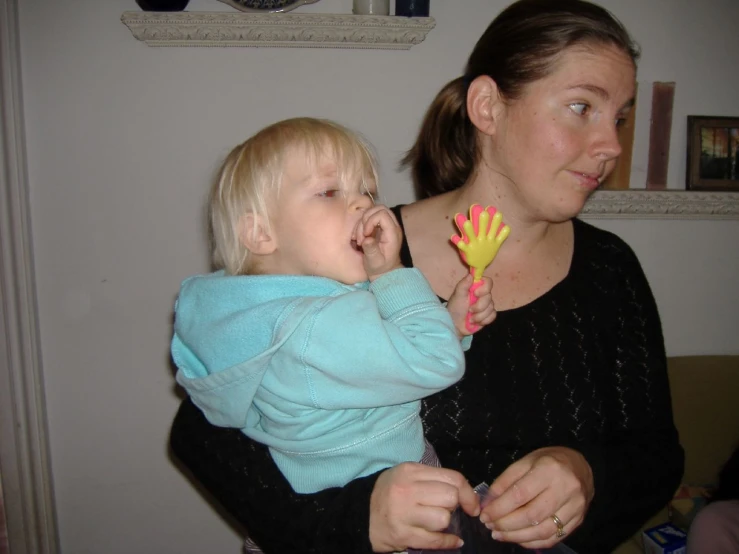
(643, 204)
(282, 30)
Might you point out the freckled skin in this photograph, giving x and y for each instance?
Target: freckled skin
(541, 156)
(566, 129)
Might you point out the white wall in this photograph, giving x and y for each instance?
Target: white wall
(122, 140)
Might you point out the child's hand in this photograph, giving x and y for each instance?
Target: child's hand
(482, 312)
(380, 236)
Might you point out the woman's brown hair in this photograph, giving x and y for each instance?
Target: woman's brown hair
(519, 47)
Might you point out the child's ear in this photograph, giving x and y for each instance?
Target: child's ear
(253, 235)
(484, 104)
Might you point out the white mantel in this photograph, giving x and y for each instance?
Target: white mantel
(311, 30)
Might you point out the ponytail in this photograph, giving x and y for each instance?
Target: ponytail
(445, 152)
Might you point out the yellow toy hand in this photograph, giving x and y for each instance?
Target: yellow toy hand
(479, 241)
(480, 237)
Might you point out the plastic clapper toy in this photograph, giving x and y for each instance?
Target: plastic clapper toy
(479, 240)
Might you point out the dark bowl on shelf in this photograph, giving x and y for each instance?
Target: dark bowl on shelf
(162, 5)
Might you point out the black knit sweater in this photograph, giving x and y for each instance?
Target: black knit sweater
(582, 366)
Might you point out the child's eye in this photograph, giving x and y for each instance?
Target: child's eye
(331, 193)
(580, 108)
(372, 194)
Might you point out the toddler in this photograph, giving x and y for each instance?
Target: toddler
(312, 338)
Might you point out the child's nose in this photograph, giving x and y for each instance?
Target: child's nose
(361, 202)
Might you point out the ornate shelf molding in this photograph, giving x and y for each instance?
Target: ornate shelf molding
(642, 204)
(281, 30)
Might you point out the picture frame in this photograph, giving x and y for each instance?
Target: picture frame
(713, 153)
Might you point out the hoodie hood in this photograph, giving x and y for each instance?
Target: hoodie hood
(225, 331)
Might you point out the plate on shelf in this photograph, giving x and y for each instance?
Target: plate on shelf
(270, 6)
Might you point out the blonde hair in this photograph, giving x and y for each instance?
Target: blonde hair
(249, 179)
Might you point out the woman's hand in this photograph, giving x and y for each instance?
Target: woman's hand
(549, 481)
(412, 504)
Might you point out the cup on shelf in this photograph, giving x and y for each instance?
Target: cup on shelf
(412, 8)
(371, 7)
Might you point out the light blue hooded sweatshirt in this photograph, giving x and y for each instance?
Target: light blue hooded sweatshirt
(329, 376)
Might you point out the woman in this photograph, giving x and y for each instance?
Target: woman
(565, 401)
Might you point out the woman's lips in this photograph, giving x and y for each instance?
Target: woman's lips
(588, 181)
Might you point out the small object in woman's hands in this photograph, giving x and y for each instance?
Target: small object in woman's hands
(485, 494)
(480, 237)
(476, 536)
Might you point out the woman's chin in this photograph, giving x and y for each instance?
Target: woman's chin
(570, 207)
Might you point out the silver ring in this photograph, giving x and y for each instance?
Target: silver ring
(560, 526)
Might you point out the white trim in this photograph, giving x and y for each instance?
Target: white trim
(643, 204)
(386, 32)
(24, 451)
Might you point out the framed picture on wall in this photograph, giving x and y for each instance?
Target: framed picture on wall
(713, 153)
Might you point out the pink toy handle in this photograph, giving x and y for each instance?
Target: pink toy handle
(478, 246)
(472, 327)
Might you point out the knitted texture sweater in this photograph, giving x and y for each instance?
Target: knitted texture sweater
(582, 366)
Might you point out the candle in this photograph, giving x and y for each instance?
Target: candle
(371, 7)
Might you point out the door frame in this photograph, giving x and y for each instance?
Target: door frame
(25, 467)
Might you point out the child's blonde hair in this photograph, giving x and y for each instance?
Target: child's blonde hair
(249, 179)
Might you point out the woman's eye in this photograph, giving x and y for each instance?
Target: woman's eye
(580, 108)
(621, 121)
(332, 193)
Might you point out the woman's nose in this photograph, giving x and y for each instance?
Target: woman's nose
(606, 146)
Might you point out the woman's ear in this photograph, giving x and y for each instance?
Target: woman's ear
(254, 235)
(484, 104)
